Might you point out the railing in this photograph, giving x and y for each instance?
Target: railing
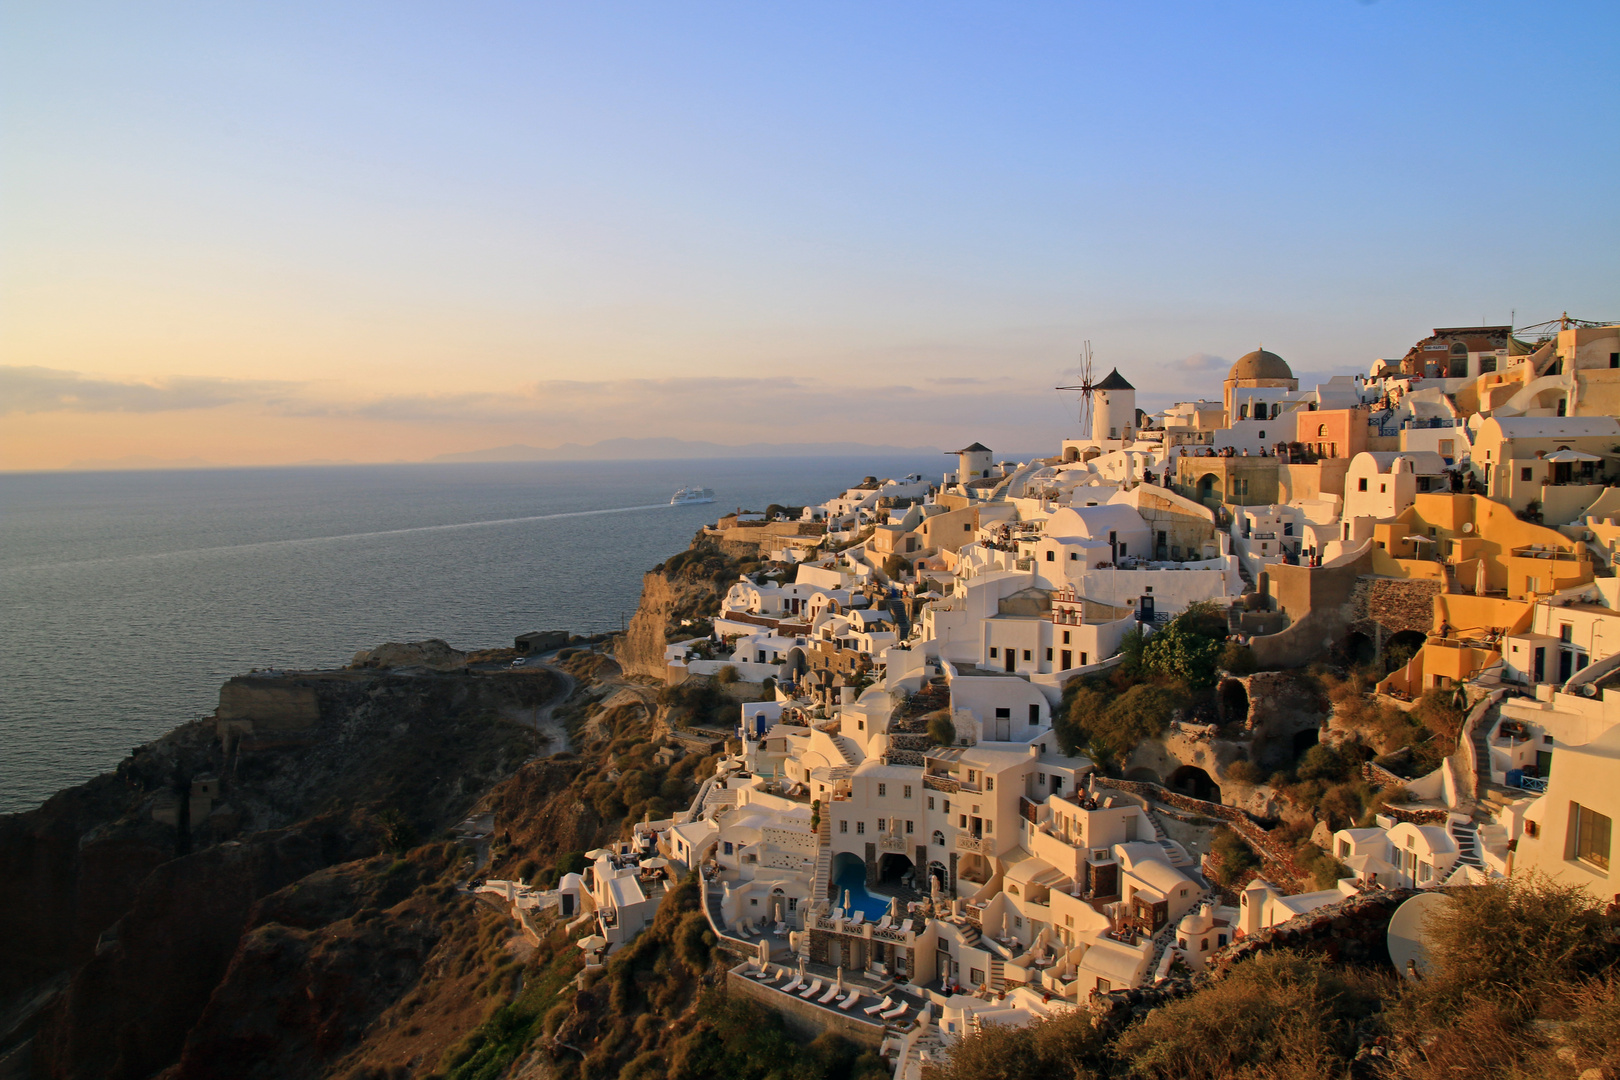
(1533, 783)
(892, 843)
(965, 842)
(1029, 810)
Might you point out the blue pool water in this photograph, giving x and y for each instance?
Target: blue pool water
(853, 878)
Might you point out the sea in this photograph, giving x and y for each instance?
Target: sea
(127, 598)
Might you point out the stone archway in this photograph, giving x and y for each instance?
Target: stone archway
(1234, 702)
(892, 867)
(1192, 781)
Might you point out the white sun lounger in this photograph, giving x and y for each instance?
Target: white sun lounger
(832, 991)
(794, 985)
(814, 989)
(854, 996)
(858, 918)
(883, 923)
(873, 1010)
(897, 1011)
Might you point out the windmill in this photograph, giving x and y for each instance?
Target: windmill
(1086, 387)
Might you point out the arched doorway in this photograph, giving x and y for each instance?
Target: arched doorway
(1209, 487)
(893, 869)
(1234, 702)
(1358, 649)
(1195, 782)
(848, 872)
(1459, 361)
(1401, 647)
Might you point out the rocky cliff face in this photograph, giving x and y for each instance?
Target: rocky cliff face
(688, 587)
(131, 893)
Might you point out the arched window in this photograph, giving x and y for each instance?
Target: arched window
(1276, 409)
(1243, 412)
(939, 838)
(1321, 431)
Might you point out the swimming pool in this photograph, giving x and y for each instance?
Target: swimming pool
(853, 878)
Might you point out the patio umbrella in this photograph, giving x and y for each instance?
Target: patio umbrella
(595, 941)
(1571, 456)
(657, 862)
(597, 853)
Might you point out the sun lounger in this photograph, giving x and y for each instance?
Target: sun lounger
(858, 918)
(832, 991)
(794, 985)
(873, 1010)
(883, 923)
(898, 1011)
(854, 996)
(814, 989)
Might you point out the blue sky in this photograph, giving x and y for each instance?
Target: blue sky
(393, 230)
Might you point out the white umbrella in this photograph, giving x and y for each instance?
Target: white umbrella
(597, 853)
(657, 862)
(595, 941)
(1572, 455)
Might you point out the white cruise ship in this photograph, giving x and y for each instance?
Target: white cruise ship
(690, 496)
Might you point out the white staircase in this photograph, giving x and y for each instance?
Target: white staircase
(819, 884)
(998, 975)
(1466, 835)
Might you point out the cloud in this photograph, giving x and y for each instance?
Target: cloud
(40, 389)
(1203, 361)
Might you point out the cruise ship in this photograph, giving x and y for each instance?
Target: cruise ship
(690, 496)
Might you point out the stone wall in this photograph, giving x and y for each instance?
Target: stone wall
(803, 1018)
(265, 705)
(1393, 605)
(1352, 931)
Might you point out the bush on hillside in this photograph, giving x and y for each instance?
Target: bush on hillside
(941, 730)
(1108, 726)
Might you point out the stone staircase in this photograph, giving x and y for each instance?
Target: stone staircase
(998, 974)
(849, 752)
(820, 885)
(1486, 789)
(971, 935)
(1467, 837)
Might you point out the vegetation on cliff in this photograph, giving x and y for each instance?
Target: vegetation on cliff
(1521, 984)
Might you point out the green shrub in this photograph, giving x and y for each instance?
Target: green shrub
(726, 675)
(1244, 772)
(1238, 659)
(941, 730)
(1235, 858)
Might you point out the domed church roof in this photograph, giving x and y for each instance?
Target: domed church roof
(1260, 364)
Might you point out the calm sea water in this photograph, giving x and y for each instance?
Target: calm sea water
(127, 598)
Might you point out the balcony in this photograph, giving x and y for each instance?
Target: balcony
(941, 783)
(891, 843)
(981, 844)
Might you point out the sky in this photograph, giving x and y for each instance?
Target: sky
(249, 234)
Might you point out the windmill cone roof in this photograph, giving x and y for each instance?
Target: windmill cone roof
(1115, 381)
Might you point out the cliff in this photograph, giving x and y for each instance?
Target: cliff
(124, 899)
(677, 598)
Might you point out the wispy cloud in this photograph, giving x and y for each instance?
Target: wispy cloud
(40, 389)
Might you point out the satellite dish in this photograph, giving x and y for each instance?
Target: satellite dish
(1408, 934)
(1468, 526)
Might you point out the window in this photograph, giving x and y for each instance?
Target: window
(990, 826)
(1048, 656)
(1566, 632)
(1057, 784)
(1262, 434)
(1040, 778)
(883, 791)
(930, 802)
(1074, 556)
(860, 828)
(1065, 637)
(1026, 654)
(1382, 488)
(1035, 710)
(1361, 485)
(939, 838)
(1051, 556)
(1321, 431)
(989, 783)
(966, 527)
(882, 824)
(793, 903)
(962, 824)
(728, 847)
(1589, 835)
(1524, 473)
(992, 652)
(907, 792)
(947, 807)
(972, 776)
(843, 826)
(753, 901)
(909, 827)
(1614, 359)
